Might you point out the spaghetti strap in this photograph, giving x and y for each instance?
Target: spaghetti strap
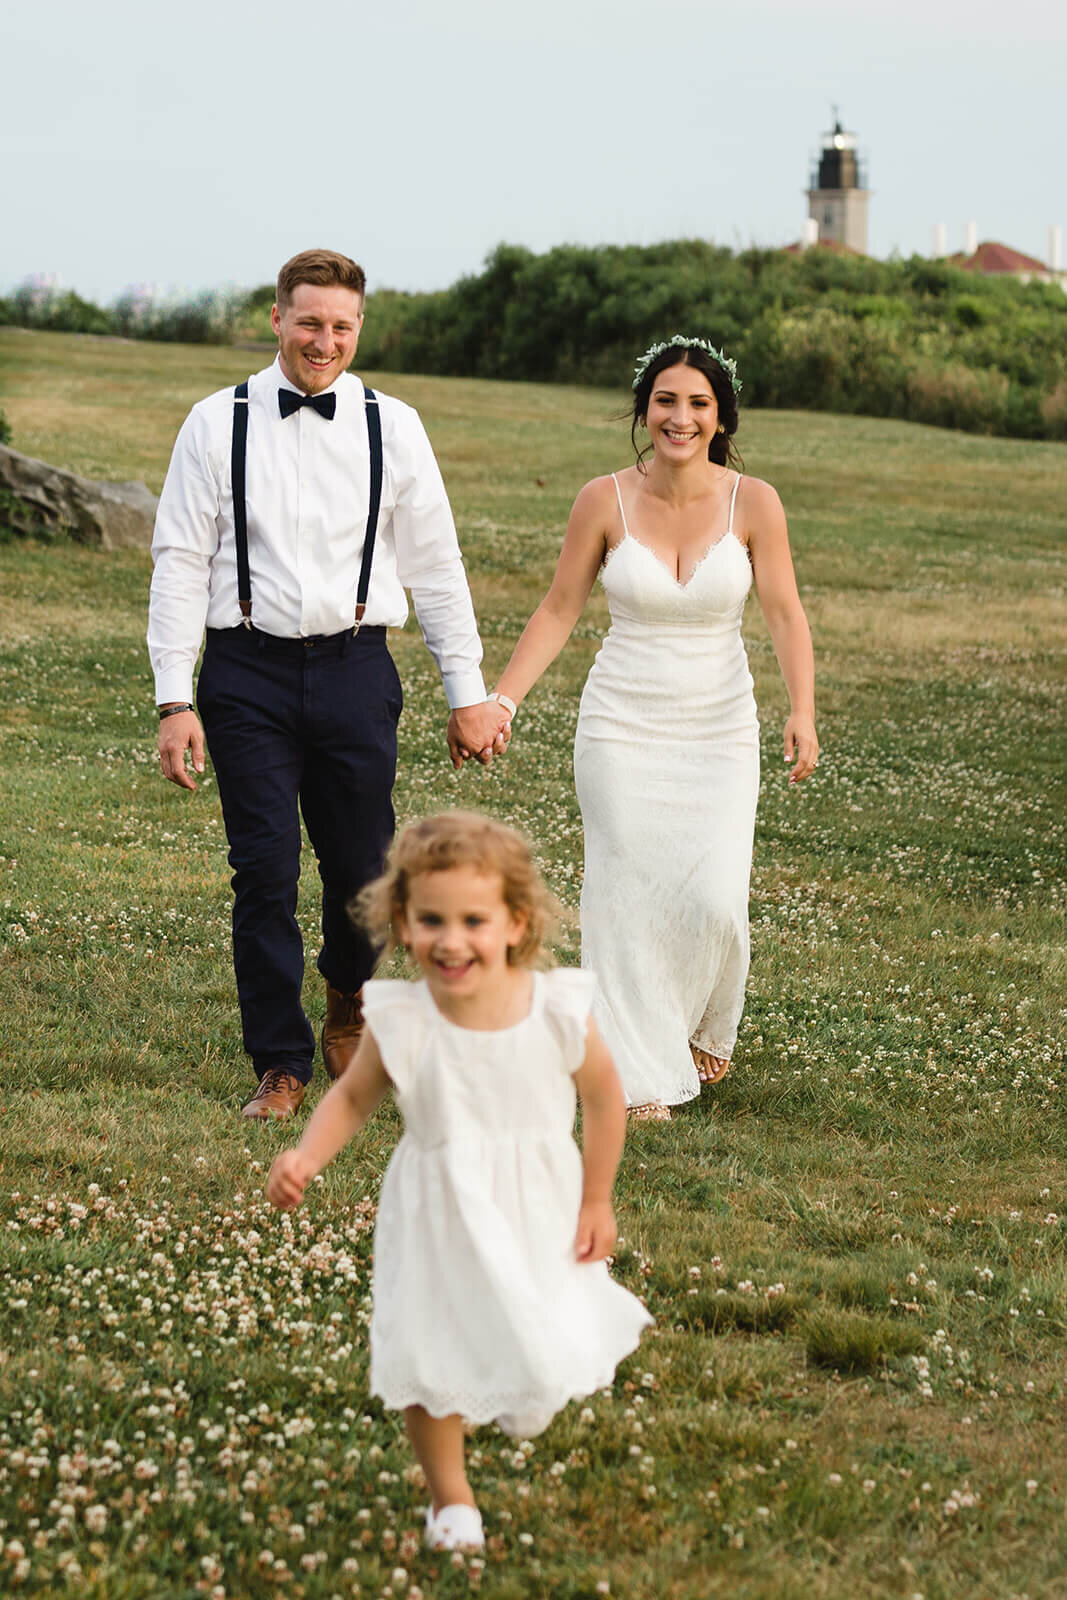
(733, 500)
(622, 513)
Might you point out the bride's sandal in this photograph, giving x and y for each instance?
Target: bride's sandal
(650, 1111)
(710, 1069)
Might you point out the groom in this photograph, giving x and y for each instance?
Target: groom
(296, 510)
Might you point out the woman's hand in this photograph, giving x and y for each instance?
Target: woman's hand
(801, 746)
(597, 1231)
(289, 1176)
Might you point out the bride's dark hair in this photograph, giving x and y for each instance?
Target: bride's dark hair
(721, 449)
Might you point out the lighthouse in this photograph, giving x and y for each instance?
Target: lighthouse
(837, 198)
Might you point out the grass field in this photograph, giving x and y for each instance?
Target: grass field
(855, 1249)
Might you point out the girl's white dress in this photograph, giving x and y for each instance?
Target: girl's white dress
(479, 1304)
(666, 765)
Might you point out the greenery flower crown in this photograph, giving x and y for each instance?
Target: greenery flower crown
(727, 363)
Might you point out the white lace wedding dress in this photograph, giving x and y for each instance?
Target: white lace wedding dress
(666, 764)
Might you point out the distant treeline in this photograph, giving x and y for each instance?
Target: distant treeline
(817, 330)
(216, 317)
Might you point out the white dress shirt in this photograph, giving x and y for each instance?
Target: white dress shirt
(307, 491)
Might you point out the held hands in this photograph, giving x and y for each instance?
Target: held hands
(482, 731)
(289, 1176)
(597, 1231)
(801, 746)
(178, 734)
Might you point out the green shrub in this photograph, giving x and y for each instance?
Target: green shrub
(41, 303)
(956, 396)
(1054, 411)
(971, 312)
(208, 318)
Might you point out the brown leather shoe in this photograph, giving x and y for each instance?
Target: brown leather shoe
(280, 1094)
(342, 1029)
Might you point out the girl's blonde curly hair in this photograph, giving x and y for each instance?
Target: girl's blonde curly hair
(460, 839)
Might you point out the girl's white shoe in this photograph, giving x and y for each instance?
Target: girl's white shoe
(455, 1528)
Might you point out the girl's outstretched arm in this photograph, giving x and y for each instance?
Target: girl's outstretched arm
(603, 1136)
(339, 1115)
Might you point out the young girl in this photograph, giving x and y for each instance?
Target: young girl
(491, 1297)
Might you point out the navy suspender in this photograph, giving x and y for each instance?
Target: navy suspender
(374, 439)
(238, 453)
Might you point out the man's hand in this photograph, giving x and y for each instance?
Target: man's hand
(177, 735)
(481, 731)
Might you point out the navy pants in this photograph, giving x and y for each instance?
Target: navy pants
(299, 726)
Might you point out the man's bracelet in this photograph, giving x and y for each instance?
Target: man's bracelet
(504, 700)
(172, 711)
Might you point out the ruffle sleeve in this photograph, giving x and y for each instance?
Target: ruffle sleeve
(568, 1003)
(395, 1015)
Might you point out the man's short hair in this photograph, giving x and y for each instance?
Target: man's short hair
(324, 268)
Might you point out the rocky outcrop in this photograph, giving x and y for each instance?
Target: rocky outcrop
(36, 498)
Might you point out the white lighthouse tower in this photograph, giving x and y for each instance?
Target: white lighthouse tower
(837, 198)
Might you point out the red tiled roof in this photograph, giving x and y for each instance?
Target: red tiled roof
(993, 257)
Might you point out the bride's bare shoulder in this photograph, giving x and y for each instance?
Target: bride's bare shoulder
(755, 486)
(595, 501)
(598, 490)
(758, 492)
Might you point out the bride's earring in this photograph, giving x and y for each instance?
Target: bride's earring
(720, 428)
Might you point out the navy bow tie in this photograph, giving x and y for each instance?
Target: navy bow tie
(289, 401)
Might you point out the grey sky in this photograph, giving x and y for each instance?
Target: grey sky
(202, 145)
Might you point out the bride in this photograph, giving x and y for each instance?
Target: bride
(666, 755)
